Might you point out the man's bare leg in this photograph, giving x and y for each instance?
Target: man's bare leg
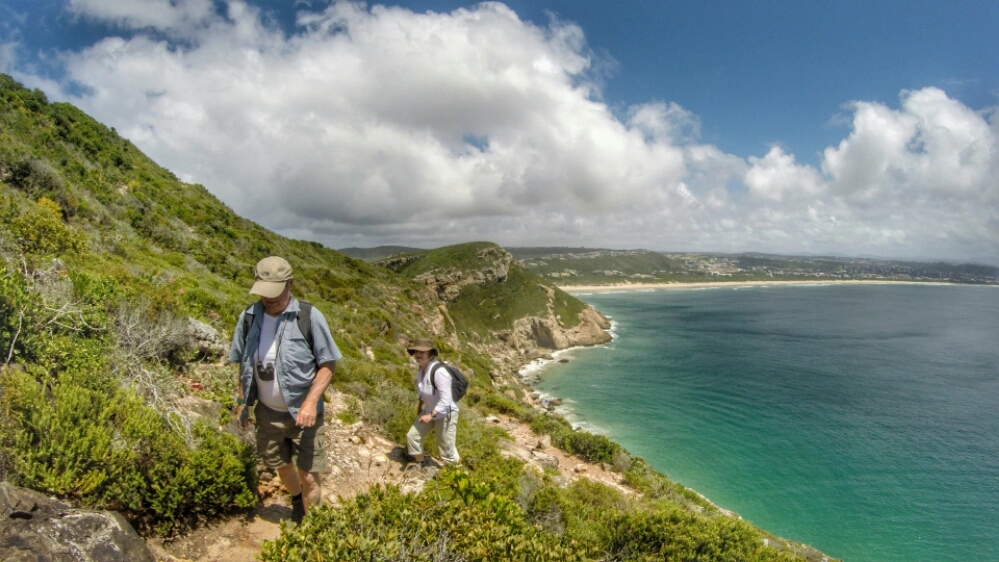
(289, 477)
(312, 488)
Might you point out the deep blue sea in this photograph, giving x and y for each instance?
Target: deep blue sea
(860, 419)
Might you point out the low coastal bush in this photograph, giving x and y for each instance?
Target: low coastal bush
(512, 513)
(456, 517)
(586, 445)
(671, 533)
(500, 403)
(41, 231)
(646, 480)
(110, 450)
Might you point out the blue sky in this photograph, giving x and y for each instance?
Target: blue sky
(852, 128)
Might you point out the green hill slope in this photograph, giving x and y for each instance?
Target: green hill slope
(106, 256)
(119, 287)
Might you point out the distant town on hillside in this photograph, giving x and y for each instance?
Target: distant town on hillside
(594, 266)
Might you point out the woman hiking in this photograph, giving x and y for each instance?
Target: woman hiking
(437, 411)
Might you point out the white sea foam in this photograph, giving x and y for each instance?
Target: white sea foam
(537, 366)
(531, 374)
(612, 331)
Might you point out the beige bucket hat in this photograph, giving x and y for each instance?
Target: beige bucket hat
(422, 344)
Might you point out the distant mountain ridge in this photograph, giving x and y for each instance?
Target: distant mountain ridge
(586, 266)
(378, 252)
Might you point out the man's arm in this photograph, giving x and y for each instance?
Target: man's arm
(307, 413)
(235, 356)
(240, 401)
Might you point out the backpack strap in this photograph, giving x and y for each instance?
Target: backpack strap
(247, 322)
(433, 380)
(305, 321)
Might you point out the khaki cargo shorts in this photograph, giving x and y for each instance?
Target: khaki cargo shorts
(280, 441)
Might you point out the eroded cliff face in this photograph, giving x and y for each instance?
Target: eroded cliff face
(536, 336)
(447, 284)
(530, 337)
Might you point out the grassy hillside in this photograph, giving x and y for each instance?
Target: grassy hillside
(105, 259)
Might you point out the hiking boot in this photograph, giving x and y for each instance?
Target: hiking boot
(297, 509)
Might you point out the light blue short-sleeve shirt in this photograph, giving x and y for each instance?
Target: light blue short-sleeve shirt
(297, 362)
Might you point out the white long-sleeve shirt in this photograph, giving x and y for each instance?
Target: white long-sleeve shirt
(438, 399)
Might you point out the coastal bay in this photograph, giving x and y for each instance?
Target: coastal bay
(852, 417)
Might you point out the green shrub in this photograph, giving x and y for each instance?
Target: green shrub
(393, 408)
(501, 403)
(595, 448)
(41, 231)
(643, 478)
(456, 517)
(109, 450)
(47, 334)
(671, 533)
(38, 179)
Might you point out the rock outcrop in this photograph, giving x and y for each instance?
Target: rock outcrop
(528, 337)
(447, 284)
(34, 528)
(205, 340)
(533, 337)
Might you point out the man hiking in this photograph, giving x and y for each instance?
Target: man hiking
(286, 357)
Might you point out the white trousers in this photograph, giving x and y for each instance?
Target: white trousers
(445, 429)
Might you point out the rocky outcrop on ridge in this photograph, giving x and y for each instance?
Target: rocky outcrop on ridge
(34, 528)
(533, 337)
(447, 284)
(529, 337)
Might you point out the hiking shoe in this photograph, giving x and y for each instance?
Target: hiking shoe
(297, 509)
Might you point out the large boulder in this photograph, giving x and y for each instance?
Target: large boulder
(34, 528)
(205, 340)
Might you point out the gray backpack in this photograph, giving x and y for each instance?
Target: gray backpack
(459, 384)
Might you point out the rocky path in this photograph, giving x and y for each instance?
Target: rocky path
(360, 457)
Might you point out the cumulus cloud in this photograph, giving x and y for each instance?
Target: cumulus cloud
(777, 177)
(920, 179)
(370, 125)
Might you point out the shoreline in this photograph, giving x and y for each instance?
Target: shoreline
(722, 284)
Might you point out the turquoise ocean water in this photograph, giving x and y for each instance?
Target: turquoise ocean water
(860, 419)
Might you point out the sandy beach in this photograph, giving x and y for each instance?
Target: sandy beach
(705, 285)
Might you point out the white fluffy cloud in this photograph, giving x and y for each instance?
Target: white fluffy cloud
(377, 125)
(921, 180)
